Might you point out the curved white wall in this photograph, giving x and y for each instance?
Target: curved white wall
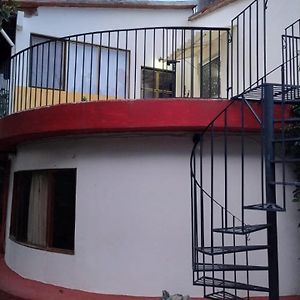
(133, 231)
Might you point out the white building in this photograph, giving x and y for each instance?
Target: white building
(97, 168)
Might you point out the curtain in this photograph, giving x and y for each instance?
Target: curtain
(37, 211)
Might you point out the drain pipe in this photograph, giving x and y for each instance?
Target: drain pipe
(7, 38)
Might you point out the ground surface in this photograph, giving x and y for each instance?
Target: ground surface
(15, 287)
(5, 296)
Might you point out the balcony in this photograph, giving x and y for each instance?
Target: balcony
(129, 64)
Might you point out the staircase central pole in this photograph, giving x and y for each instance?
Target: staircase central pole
(268, 132)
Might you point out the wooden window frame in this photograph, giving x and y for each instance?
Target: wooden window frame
(50, 214)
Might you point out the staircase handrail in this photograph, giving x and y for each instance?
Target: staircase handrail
(256, 83)
(214, 200)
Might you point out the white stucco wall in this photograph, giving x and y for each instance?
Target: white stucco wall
(133, 226)
(59, 22)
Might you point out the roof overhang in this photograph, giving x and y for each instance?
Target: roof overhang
(210, 8)
(156, 4)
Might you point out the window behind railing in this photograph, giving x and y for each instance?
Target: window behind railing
(211, 78)
(46, 63)
(158, 83)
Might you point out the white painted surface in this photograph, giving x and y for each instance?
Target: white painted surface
(59, 22)
(133, 232)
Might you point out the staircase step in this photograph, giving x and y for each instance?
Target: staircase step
(291, 102)
(222, 295)
(214, 282)
(287, 120)
(227, 267)
(229, 249)
(288, 160)
(292, 183)
(265, 206)
(289, 140)
(241, 229)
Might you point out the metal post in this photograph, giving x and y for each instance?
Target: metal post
(268, 131)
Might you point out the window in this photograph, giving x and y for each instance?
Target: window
(211, 79)
(43, 209)
(79, 67)
(47, 63)
(158, 83)
(97, 70)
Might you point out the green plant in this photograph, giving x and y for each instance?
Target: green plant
(4, 96)
(7, 9)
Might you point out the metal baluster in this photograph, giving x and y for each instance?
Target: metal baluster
(75, 67)
(53, 78)
(91, 67)
(192, 62)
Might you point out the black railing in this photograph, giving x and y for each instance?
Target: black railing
(223, 175)
(222, 181)
(184, 62)
(291, 59)
(248, 49)
(230, 175)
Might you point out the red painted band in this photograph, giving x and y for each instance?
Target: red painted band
(122, 116)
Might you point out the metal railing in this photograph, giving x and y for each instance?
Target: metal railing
(291, 59)
(248, 47)
(220, 189)
(162, 62)
(223, 177)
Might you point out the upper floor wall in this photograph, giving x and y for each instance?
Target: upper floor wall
(64, 21)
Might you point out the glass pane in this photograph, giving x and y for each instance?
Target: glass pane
(89, 72)
(158, 83)
(167, 81)
(64, 209)
(20, 205)
(211, 80)
(47, 63)
(113, 78)
(82, 72)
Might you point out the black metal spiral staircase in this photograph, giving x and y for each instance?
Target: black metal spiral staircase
(234, 216)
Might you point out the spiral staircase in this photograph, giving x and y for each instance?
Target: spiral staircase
(234, 217)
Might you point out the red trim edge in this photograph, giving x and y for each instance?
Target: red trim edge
(120, 116)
